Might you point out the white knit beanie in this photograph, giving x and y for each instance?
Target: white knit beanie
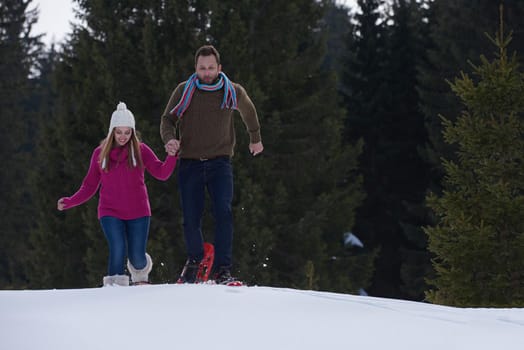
(122, 117)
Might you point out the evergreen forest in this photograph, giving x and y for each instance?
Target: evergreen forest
(393, 133)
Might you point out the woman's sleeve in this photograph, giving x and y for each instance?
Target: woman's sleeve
(89, 185)
(160, 170)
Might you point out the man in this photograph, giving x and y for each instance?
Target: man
(201, 109)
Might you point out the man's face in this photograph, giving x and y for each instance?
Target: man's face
(122, 135)
(207, 69)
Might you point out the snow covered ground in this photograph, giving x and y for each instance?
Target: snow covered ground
(220, 317)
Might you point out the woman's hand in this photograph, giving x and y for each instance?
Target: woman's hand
(60, 205)
(172, 147)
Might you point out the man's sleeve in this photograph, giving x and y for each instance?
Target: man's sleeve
(249, 115)
(167, 121)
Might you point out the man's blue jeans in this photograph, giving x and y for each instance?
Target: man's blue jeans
(194, 178)
(119, 232)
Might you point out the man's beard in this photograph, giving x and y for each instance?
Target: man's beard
(210, 80)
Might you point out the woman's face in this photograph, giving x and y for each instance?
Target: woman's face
(122, 135)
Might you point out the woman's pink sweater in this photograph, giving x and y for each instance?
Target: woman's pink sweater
(123, 193)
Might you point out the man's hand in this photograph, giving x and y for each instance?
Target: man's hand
(172, 147)
(256, 148)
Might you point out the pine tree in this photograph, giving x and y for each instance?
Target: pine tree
(379, 89)
(57, 240)
(340, 33)
(479, 240)
(456, 36)
(405, 172)
(291, 204)
(122, 52)
(295, 201)
(364, 90)
(19, 51)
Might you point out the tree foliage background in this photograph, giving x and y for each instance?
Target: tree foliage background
(349, 102)
(479, 240)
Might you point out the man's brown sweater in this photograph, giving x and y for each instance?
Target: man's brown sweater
(206, 130)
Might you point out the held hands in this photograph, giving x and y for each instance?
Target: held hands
(172, 147)
(256, 148)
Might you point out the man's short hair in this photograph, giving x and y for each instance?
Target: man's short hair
(207, 50)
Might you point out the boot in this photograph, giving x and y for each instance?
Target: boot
(222, 275)
(189, 272)
(140, 276)
(116, 280)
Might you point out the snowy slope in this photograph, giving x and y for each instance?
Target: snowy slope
(219, 317)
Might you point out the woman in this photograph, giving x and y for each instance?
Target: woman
(117, 168)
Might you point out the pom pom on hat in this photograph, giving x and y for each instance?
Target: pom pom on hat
(122, 117)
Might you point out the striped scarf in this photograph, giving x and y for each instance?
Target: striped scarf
(230, 95)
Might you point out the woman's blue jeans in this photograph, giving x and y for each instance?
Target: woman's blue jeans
(121, 233)
(194, 178)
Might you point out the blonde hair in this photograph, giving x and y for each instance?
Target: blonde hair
(133, 149)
